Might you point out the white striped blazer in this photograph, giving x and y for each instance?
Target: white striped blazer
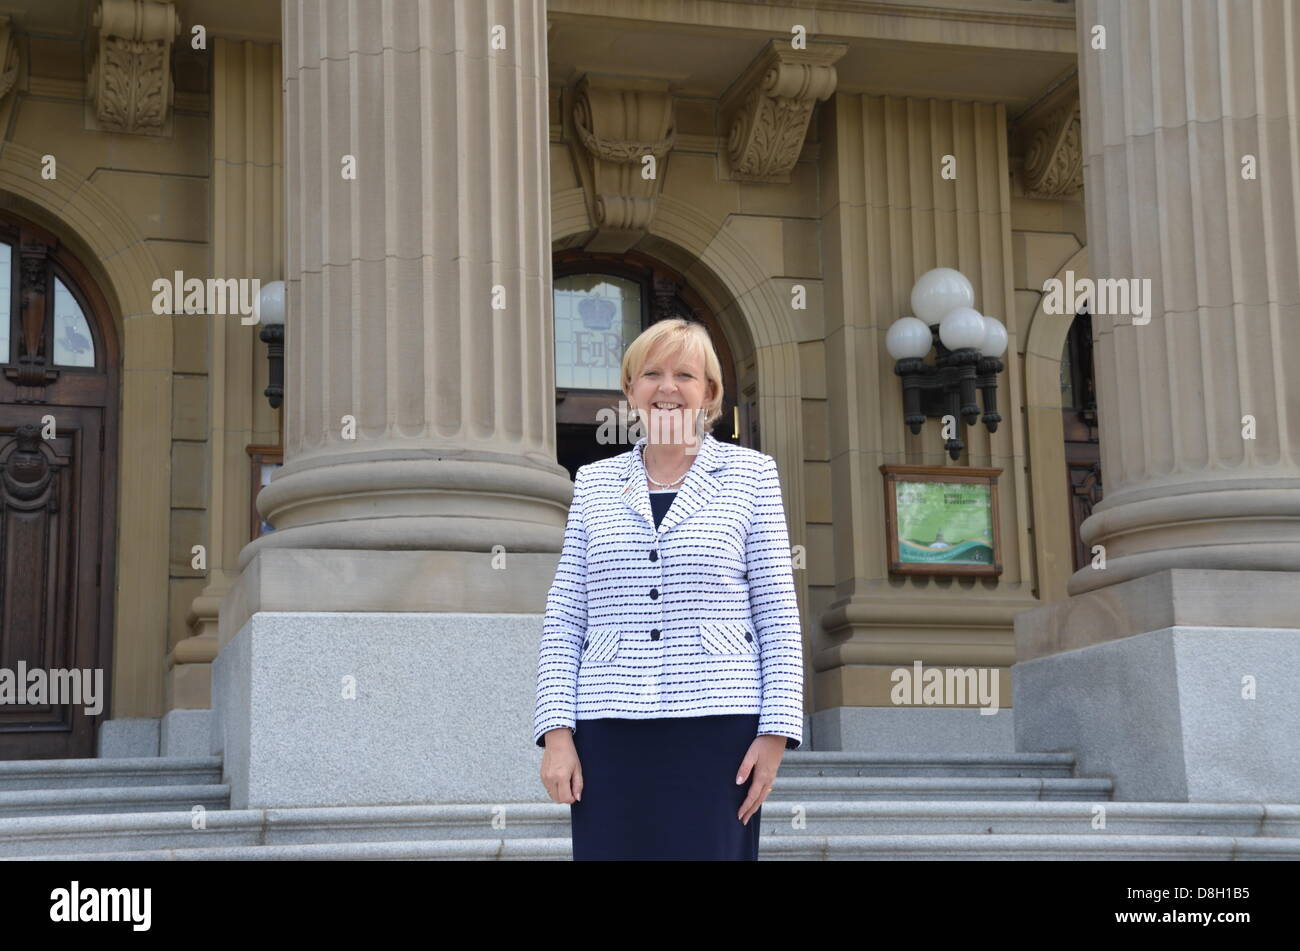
(694, 618)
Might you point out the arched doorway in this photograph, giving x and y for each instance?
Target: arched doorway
(602, 301)
(1080, 427)
(59, 378)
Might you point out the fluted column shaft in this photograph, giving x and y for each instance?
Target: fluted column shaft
(1187, 100)
(419, 382)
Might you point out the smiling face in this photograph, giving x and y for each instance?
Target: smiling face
(669, 394)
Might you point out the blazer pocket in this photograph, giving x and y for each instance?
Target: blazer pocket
(600, 644)
(728, 637)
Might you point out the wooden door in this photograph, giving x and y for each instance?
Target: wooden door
(58, 406)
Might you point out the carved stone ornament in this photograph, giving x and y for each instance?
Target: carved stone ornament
(617, 123)
(1049, 137)
(130, 78)
(8, 57)
(767, 110)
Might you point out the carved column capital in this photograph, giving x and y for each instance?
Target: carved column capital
(130, 79)
(767, 109)
(1049, 140)
(617, 123)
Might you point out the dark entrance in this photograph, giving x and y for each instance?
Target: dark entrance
(602, 301)
(1079, 420)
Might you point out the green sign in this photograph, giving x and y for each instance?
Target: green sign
(944, 522)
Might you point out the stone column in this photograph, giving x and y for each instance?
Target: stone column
(418, 281)
(380, 646)
(1190, 628)
(1183, 99)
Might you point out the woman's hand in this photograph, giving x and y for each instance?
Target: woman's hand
(561, 771)
(763, 758)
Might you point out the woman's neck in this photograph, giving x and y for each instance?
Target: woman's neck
(667, 461)
(665, 458)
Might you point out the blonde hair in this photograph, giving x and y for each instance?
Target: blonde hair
(674, 336)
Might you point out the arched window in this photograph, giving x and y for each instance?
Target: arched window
(74, 343)
(42, 311)
(602, 302)
(596, 317)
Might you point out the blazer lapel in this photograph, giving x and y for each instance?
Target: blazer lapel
(700, 485)
(635, 493)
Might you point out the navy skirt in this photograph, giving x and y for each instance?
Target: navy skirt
(664, 789)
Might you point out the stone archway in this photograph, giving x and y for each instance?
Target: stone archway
(1051, 503)
(114, 251)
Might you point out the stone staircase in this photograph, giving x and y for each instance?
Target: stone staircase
(825, 805)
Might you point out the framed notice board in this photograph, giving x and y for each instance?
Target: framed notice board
(942, 520)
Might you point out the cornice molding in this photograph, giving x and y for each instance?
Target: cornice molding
(1049, 14)
(47, 87)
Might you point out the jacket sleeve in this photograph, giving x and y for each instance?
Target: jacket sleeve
(563, 628)
(775, 610)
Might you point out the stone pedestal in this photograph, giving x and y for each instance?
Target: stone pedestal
(1182, 686)
(349, 709)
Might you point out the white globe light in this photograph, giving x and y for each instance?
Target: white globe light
(995, 337)
(963, 327)
(939, 291)
(908, 337)
(271, 303)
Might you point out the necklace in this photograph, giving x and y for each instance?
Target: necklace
(663, 485)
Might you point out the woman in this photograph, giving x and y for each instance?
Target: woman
(670, 672)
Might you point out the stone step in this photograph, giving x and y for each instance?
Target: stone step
(62, 774)
(776, 848)
(948, 788)
(1033, 818)
(18, 775)
(163, 833)
(112, 800)
(799, 763)
(797, 790)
